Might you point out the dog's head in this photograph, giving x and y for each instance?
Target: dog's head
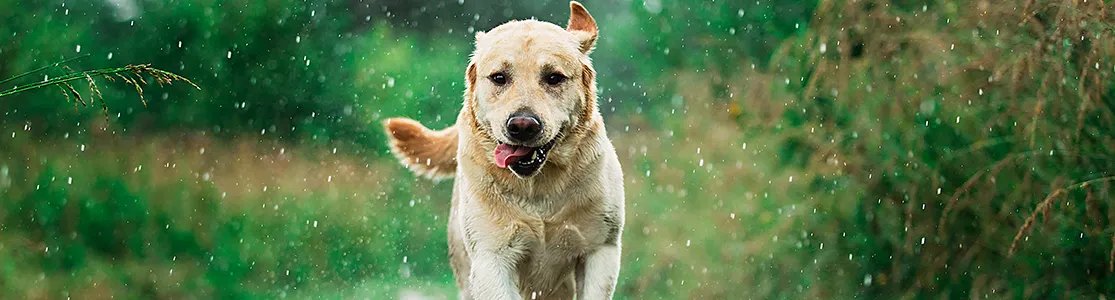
(529, 83)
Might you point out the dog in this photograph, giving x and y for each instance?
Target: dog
(538, 199)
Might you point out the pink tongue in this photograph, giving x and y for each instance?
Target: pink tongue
(508, 154)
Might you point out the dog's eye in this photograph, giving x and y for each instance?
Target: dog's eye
(498, 78)
(555, 79)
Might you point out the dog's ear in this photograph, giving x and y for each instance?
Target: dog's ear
(470, 73)
(582, 26)
(470, 76)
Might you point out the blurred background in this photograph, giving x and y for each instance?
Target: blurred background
(772, 149)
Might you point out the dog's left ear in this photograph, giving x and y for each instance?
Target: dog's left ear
(582, 26)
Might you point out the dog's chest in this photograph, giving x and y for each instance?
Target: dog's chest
(553, 252)
(558, 242)
(565, 238)
(563, 229)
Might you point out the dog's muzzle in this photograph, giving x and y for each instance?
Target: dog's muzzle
(522, 160)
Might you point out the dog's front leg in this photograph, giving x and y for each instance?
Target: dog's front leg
(492, 276)
(601, 270)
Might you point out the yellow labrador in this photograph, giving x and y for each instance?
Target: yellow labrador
(538, 203)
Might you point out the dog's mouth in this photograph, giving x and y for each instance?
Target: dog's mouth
(522, 160)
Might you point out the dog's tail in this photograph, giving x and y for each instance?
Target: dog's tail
(428, 153)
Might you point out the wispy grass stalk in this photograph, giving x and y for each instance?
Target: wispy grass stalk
(131, 74)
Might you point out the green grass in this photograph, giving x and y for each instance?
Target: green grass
(171, 222)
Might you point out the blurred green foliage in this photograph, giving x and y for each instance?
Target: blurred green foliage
(773, 149)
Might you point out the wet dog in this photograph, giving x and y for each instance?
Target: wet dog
(538, 201)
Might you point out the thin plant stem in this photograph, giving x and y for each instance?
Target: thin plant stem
(138, 70)
(43, 68)
(1043, 207)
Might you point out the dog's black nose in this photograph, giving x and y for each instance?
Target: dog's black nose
(523, 127)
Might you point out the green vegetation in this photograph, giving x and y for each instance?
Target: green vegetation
(789, 149)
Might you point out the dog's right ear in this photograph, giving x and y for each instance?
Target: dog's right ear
(470, 73)
(470, 76)
(582, 26)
